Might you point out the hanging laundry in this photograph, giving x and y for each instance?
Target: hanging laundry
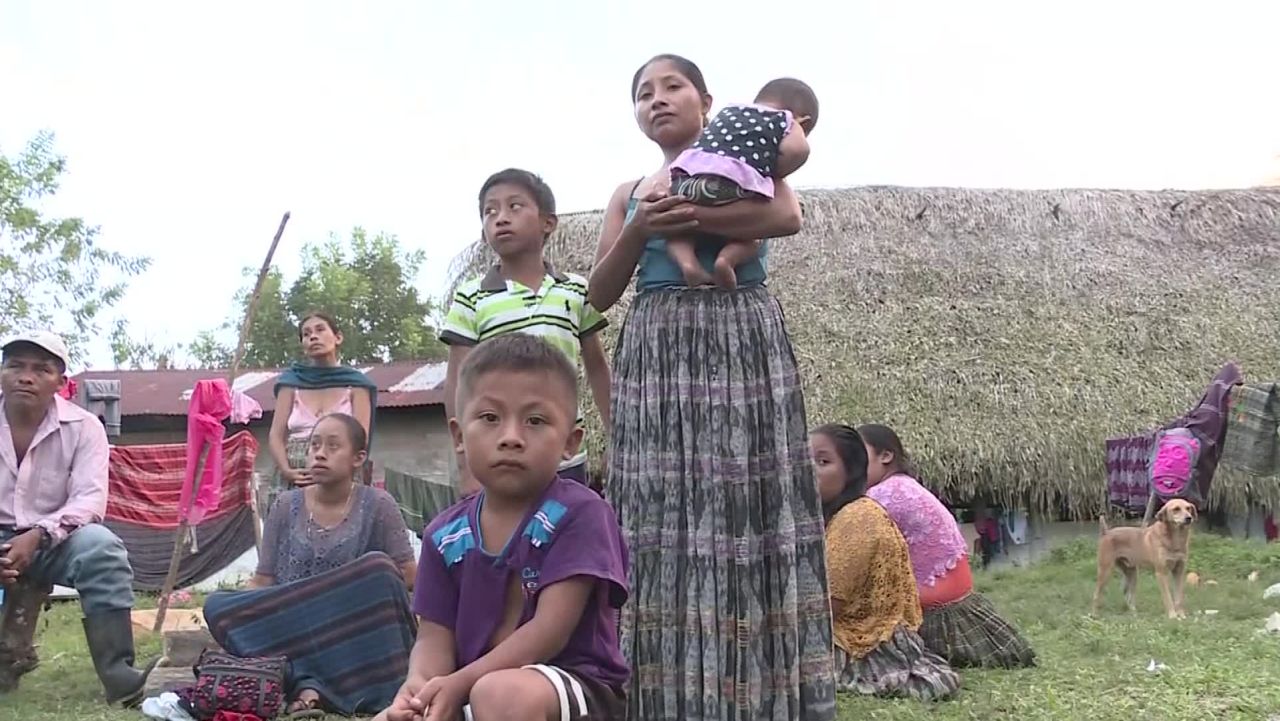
(244, 408)
(1252, 425)
(1208, 422)
(210, 403)
(1128, 484)
(102, 399)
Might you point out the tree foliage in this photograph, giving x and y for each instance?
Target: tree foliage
(365, 283)
(53, 274)
(140, 354)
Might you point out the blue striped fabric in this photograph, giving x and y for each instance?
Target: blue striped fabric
(347, 633)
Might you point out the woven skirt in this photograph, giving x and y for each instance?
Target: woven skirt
(347, 632)
(969, 632)
(296, 450)
(901, 667)
(709, 471)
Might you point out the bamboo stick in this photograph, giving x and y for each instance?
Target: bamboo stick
(184, 527)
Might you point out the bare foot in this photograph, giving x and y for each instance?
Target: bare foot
(726, 276)
(695, 276)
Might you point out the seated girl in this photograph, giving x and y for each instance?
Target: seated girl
(875, 609)
(960, 625)
(332, 588)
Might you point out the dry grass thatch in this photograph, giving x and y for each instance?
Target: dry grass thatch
(1006, 334)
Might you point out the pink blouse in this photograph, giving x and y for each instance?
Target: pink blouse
(302, 419)
(933, 536)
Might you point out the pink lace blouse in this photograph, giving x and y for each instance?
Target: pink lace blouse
(302, 419)
(933, 536)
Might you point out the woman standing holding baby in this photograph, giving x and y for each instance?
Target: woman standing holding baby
(709, 468)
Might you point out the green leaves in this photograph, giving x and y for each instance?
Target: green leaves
(51, 269)
(366, 283)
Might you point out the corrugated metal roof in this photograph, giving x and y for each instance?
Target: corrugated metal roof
(404, 384)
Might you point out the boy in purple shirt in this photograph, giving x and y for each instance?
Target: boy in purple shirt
(518, 586)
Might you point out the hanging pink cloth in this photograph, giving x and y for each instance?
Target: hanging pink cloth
(68, 390)
(244, 408)
(210, 403)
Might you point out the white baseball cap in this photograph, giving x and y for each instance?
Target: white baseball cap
(45, 340)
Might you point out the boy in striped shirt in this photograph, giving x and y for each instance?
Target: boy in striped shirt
(524, 294)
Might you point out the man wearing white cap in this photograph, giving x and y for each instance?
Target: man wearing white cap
(53, 494)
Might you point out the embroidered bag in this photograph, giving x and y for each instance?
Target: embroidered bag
(241, 685)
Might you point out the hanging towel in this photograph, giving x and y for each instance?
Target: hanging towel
(1252, 423)
(102, 399)
(244, 408)
(210, 404)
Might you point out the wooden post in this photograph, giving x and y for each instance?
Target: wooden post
(179, 544)
(253, 302)
(238, 358)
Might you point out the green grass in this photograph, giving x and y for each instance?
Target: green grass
(1095, 669)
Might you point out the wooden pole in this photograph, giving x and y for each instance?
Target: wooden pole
(238, 358)
(253, 302)
(179, 542)
(171, 578)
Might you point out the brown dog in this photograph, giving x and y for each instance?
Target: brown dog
(1162, 547)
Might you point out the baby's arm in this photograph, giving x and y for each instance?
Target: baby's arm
(793, 151)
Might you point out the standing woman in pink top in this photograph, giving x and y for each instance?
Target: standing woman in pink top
(310, 390)
(960, 625)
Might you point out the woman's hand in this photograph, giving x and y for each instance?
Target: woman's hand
(298, 476)
(665, 215)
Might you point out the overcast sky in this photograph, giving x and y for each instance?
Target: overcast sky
(189, 128)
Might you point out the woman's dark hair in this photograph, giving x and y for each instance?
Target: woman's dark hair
(883, 438)
(333, 324)
(685, 66)
(355, 432)
(853, 455)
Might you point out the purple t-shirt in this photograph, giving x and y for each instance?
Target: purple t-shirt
(570, 532)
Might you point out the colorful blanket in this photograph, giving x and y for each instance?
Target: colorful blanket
(142, 509)
(1127, 481)
(1251, 429)
(347, 633)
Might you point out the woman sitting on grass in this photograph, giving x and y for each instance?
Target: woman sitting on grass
(331, 592)
(875, 610)
(959, 625)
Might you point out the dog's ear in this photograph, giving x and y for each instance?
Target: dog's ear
(1195, 515)
(1162, 515)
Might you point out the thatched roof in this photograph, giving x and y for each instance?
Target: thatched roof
(1006, 334)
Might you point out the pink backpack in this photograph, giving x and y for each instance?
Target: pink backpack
(1173, 464)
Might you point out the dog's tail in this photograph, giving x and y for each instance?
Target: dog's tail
(1102, 525)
